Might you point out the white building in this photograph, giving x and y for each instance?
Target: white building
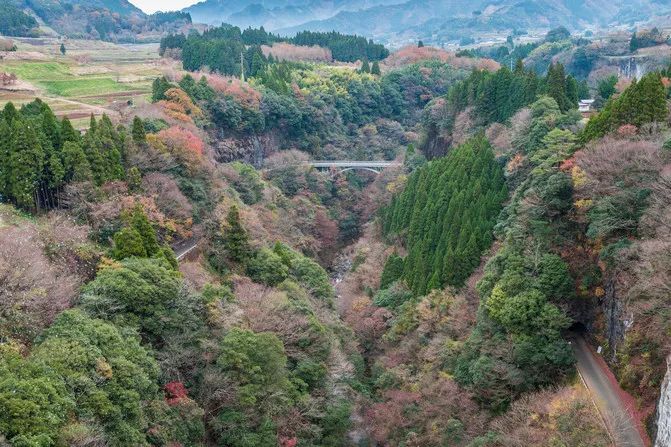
(585, 105)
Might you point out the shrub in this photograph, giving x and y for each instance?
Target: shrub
(267, 268)
(34, 400)
(128, 243)
(313, 277)
(393, 296)
(141, 293)
(108, 374)
(312, 373)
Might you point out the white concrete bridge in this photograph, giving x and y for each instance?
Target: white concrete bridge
(349, 165)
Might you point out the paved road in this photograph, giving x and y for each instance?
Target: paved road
(184, 248)
(607, 397)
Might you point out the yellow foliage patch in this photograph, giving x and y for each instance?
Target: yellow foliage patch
(578, 176)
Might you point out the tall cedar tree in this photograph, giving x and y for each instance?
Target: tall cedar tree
(138, 132)
(236, 240)
(140, 223)
(557, 86)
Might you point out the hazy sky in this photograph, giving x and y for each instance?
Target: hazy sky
(162, 5)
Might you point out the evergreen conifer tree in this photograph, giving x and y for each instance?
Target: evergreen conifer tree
(140, 223)
(365, 66)
(134, 179)
(26, 163)
(128, 243)
(158, 89)
(393, 270)
(236, 240)
(138, 132)
(68, 133)
(76, 165)
(556, 86)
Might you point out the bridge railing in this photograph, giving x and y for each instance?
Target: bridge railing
(352, 164)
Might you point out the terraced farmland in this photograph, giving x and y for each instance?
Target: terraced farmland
(92, 77)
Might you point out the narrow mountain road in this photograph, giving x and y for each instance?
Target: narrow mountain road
(609, 398)
(184, 248)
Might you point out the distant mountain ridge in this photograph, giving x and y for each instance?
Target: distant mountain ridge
(117, 20)
(437, 21)
(274, 14)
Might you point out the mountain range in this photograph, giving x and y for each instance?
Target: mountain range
(435, 21)
(276, 14)
(117, 20)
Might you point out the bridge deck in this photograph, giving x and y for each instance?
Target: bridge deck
(352, 164)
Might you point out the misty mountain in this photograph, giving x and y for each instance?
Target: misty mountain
(275, 14)
(436, 21)
(440, 21)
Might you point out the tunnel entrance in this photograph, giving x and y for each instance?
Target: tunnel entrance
(578, 328)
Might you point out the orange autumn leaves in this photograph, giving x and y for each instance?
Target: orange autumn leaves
(185, 146)
(180, 107)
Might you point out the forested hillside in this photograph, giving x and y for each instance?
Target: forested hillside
(446, 215)
(220, 49)
(112, 20)
(15, 22)
(177, 273)
(575, 223)
(108, 338)
(488, 98)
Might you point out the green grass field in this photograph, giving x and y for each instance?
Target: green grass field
(35, 71)
(88, 86)
(57, 78)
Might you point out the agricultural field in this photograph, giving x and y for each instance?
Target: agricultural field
(92, 77)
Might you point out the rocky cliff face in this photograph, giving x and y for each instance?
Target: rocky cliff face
(252, 149)
(664, 411)
(613, 308)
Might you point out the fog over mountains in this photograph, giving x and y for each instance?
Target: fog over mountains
(438, 21)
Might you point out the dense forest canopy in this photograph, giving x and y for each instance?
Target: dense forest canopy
(15, 22)
(177, 273)
(446, 214)
(223, 48)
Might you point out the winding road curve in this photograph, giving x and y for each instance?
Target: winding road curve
(607, 397)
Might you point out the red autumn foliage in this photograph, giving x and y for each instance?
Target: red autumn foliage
(288, 442)
(186, 146)
(326, 229)
(241, 91)
(178, 105)
(413, 54)
(388, 416)
(567, 165)
(296, 53)
(627, 130)
(175, 392)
